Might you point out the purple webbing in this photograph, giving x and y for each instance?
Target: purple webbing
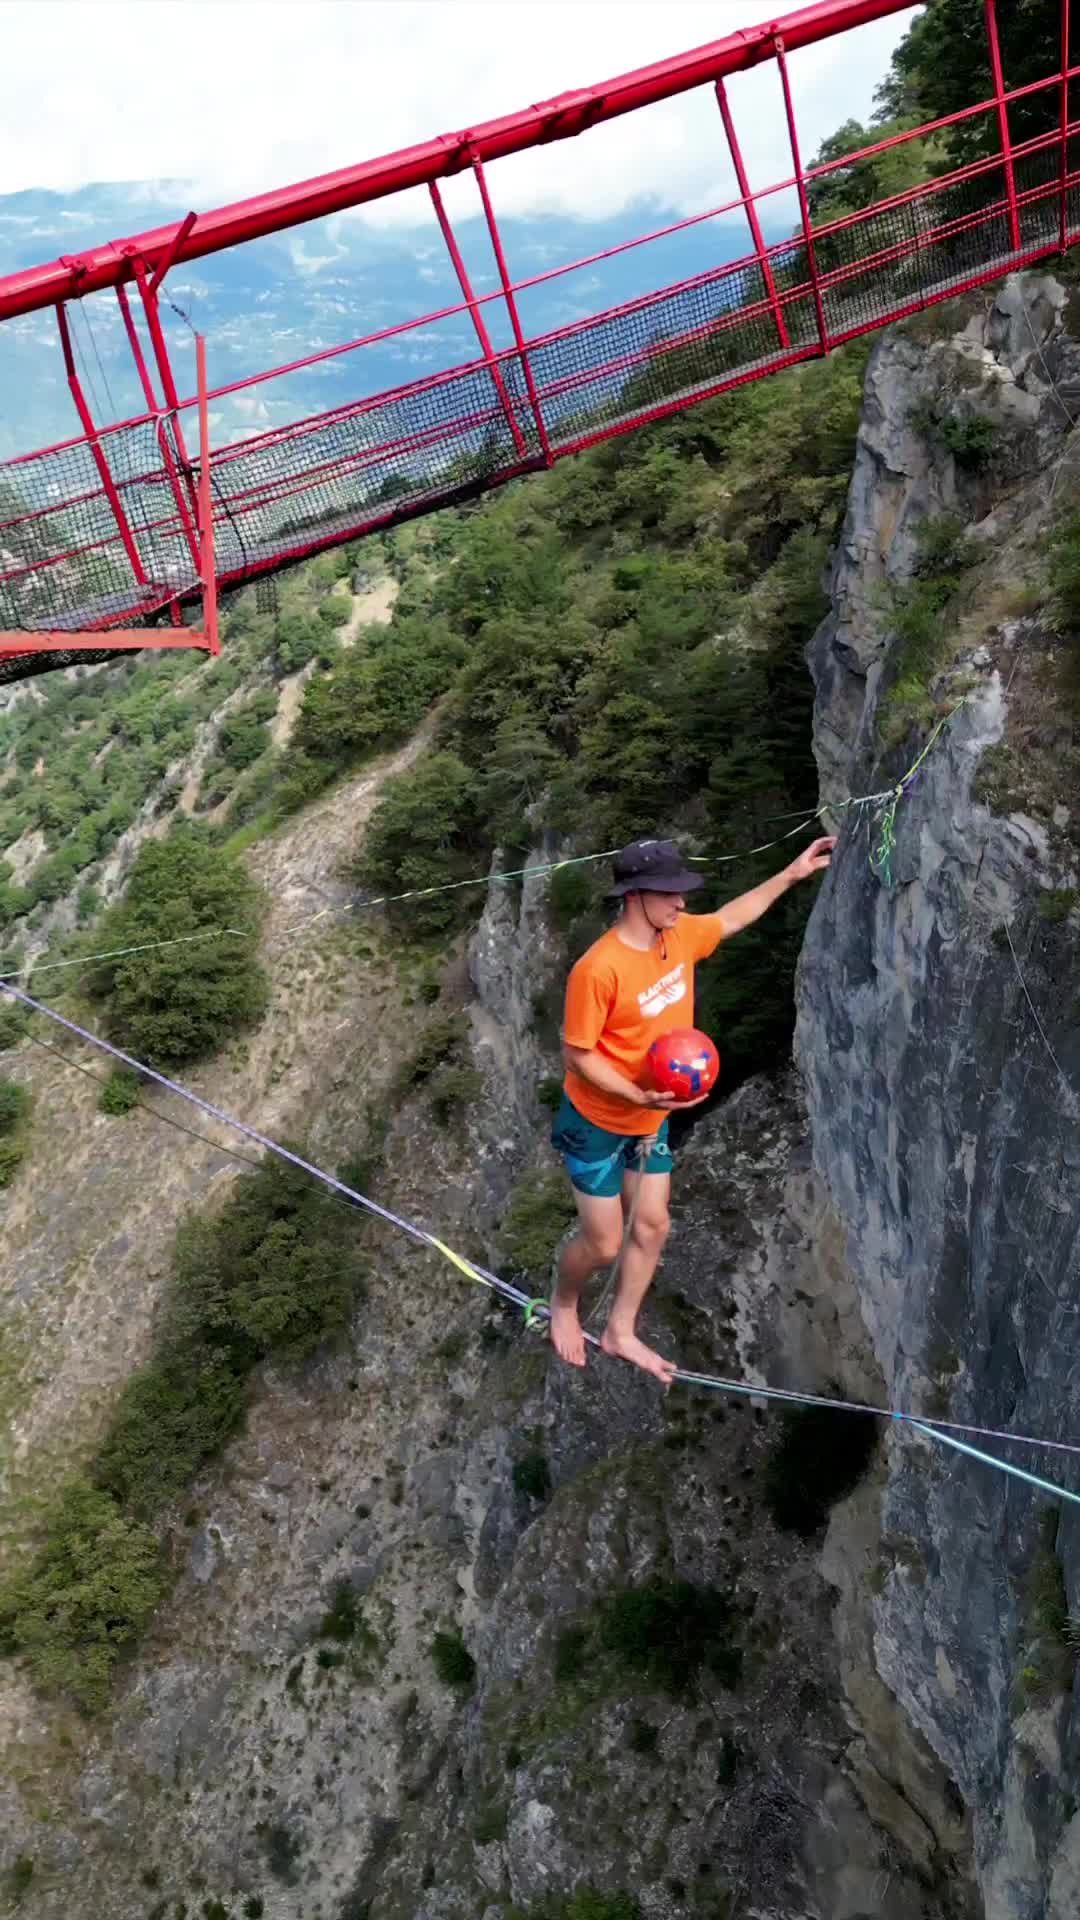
(261, 1139)
(504, 1287)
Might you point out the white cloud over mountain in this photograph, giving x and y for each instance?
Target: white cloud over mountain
(236, 96)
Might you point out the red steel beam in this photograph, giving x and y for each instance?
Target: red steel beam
(168, 386)
(393, 514)
(558, 119)
(804, 206)
(926, 191)
(151, 400)
(478, 320)
(136, 349)
(354, 409)
(776, 250)
(171, 251)
(1036, 144)
(101, 463)
(445, 432)
(738, 205)
(124, 639)
(756, 234)
(990, 15)
(364, 522)
(551, 273)
(206, 512)
(511, 305)
(1063, 165)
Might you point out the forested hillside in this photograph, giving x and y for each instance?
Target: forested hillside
(616, 648)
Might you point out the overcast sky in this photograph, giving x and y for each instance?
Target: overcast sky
(235, 96)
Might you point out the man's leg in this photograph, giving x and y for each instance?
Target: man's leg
(643, 1249)
(595, 1244)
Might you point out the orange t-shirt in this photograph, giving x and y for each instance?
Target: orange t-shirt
(619, 999)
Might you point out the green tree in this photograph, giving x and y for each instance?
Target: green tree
(172, 1417)
(14, 1111)
(846, 190)
(943, 64)
(454, 1664)
(518, 769)
(375, 696)
(85, 1598)
(88, 904)
(14, 1105)
(176, 1003)
(274, 1272)
(243, 738)
(273, 1291)
(299, 638)
(120, 1092)
(423, 833)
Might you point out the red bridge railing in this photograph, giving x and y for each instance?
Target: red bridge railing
(108, 530)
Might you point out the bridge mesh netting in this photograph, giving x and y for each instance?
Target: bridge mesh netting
(68, 561)
(377, 460)
(99, 534)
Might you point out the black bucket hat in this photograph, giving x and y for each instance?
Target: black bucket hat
(652, 866)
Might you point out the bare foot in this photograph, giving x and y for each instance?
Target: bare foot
(566, 1335)
(627, 1346)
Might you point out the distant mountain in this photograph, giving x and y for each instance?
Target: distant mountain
(274, 301)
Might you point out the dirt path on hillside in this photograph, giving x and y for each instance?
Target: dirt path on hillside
(372, 608)
(86, 1229)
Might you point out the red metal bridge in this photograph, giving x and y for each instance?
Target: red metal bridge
(106, 537)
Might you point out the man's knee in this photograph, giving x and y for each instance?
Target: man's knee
(651, 1229)
(604, 1242)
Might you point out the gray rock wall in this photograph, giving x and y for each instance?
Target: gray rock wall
(944, 1133)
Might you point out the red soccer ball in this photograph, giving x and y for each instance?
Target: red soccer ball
(684, 1063)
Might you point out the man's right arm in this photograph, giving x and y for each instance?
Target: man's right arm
(600, 1072)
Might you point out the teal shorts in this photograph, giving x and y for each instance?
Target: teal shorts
(597, 1161)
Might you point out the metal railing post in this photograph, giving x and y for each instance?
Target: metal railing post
(151, 399)
(1063, 167)
(172, 398)
(511, 307)
(752, 215)
(482, 334)
(97, 451)
(804, 205)
(990, 14)
(206, 515)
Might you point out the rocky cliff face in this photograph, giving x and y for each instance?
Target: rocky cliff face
(943, 1121)
(752, 1788)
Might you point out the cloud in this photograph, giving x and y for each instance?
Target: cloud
(251, 407)
(287, 89)
(309, 263)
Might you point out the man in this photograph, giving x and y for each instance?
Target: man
(634, 983)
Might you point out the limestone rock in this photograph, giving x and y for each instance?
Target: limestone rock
(943, 1133)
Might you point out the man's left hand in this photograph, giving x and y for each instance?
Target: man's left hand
(815, 858)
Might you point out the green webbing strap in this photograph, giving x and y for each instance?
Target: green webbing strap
(882, 856)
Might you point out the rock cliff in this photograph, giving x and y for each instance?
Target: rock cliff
(939, 1041)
